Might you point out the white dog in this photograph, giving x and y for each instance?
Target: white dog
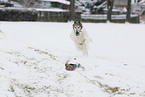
(80, 37)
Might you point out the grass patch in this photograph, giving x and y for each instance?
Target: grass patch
(44, 52)
(112, 90)
(62, 76)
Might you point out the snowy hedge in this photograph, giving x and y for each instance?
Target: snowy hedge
(18, 14)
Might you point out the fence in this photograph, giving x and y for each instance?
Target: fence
(63, 15)
(113, 15)
(53, 15)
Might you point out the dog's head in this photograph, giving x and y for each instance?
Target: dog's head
(77, 26)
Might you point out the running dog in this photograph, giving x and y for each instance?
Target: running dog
(80, 37)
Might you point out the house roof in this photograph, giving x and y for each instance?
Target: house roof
(60, 1)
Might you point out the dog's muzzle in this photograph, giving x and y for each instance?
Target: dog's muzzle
(77, 33)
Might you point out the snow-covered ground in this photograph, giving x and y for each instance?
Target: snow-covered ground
(33, 56)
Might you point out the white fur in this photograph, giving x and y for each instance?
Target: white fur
(81, 41)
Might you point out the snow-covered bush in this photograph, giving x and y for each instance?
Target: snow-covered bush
(27, 3)
(18, 14)
(85, 6)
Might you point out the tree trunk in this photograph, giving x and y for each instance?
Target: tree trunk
(110, 7)
(128, 11)
(72, 10)
(108, 4)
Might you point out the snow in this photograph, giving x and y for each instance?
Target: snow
(17, 8)
(52, 10)
(16, 4)
(142, 1)
(61, 1)
(33, 56)
(4, 0)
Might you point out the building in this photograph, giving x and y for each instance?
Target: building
(62, 4)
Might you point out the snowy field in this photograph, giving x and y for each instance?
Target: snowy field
(33, 56)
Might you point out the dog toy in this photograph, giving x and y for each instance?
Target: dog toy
(71, 66)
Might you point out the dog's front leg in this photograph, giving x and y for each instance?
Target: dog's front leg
(82, 42)
(85, 52)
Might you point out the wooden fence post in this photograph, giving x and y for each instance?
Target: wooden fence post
(72, 10)
(128, 11)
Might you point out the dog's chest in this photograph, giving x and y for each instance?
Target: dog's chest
(79, 38)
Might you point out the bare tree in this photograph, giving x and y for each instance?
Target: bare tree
(72, 9)
(27, 3)
(110, 7)
(128, 10)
